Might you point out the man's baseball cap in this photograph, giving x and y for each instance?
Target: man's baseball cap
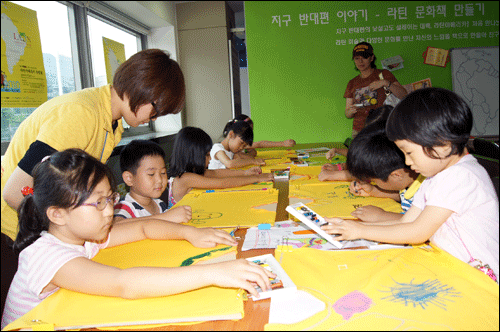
(364, 49)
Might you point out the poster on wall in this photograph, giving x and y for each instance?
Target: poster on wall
(23, 74)
(114, 56)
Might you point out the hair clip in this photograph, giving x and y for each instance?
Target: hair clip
(247, 119)
(27, 190)
(45, 158)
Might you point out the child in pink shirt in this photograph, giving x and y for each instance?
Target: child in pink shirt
(456, 207)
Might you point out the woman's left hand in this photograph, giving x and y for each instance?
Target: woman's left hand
(209, 237)
(345, 229)
(378, 84)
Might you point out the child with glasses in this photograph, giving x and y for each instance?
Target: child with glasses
(68, 218)
(142, 163)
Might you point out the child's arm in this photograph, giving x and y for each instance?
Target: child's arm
(177, 214)
(370, 213)
(191, 180)
(360, 188)
(273, 144)
(330, 154)
(414, 227)
(235, 163)
(327, 175)
(86, 276)
(226, 173)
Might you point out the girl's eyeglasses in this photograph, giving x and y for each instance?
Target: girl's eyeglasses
(103, 201)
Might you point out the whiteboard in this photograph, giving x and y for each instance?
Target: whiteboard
(474, 73)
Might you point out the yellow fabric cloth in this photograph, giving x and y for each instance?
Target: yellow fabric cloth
(305, 175)
(251, 187)
(69, 310)
(80, 119)
(413, 188)
(267, 154)
(237, 208)
(333, 199)
(392, 289)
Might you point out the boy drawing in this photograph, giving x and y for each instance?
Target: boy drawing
(372, 157)
(142, 163)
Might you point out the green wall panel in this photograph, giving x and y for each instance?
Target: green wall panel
(298, 73)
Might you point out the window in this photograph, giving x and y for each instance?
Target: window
(57, 59)
(58, 35)
(99, 29)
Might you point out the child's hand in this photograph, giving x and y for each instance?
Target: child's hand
(241, 273)
(346, 229)
(208, 237)
(329, 167)
(266, 177)
(368, 213)
(359, 188)
(289, 143)
(256, 170)
(259, 161)
(330, 154)
(178, 214)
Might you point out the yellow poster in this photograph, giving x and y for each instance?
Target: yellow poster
(23, 75)
(114, 56)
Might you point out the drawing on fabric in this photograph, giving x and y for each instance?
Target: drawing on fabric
(352, 303)
(400, 261)
(191, 260)
(201, 216)
(422, 294)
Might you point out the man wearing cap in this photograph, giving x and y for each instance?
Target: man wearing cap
(366, 91)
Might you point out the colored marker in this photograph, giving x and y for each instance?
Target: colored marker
(228, 191)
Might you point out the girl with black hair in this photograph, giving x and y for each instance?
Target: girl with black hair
(67, 217)
(189, 162)
(238, 135)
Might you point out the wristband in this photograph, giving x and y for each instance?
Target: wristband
(339, 167)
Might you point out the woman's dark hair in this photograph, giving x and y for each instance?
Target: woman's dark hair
(132, 154)
(190, 149)
(240, 128)
(151, 76)
(372, 155)
(65, 180)
(431, 117)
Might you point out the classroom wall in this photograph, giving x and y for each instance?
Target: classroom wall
(298, 70)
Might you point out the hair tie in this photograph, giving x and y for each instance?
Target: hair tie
(247, 119)
(27, 190)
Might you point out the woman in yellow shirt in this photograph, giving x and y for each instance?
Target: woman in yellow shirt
(148, 85)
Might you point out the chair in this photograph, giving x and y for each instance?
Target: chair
(487, 154)
(9, 266)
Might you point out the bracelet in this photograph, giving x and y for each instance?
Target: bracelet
(389, 85)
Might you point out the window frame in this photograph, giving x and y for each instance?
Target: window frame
(78, 12)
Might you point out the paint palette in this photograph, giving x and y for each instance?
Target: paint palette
(279, 285)
(281, 173)
(311, 219)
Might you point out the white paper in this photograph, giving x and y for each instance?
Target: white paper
(294, 307)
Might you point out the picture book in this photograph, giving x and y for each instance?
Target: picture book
(282, 284)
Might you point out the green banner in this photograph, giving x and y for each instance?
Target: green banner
(299, 55)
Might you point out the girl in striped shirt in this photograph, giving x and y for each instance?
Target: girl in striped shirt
(67, 218)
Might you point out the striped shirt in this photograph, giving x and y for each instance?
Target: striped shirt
(408, 194)
(129, 208)
(38, 263)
